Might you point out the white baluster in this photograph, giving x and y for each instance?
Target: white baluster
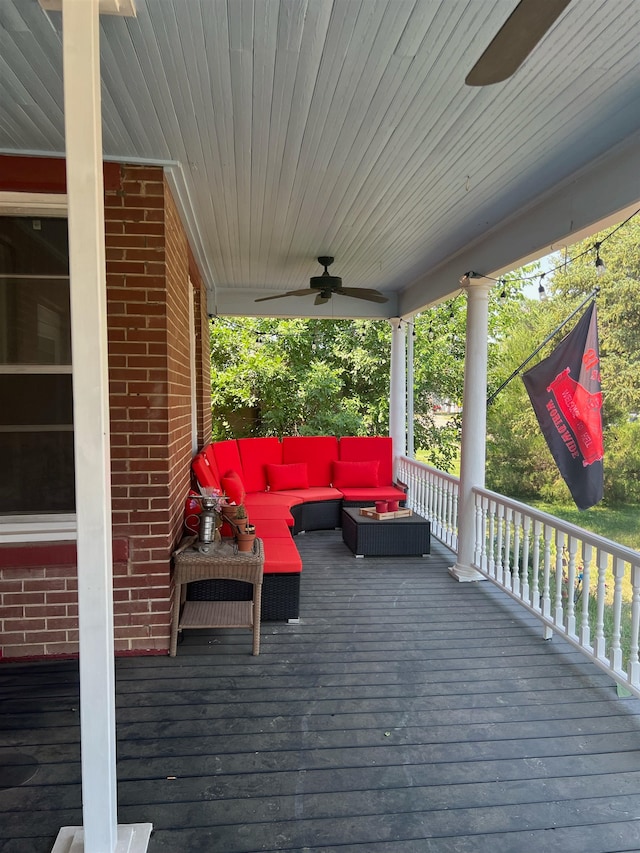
(616, 649)
(535, 569)
(526, 526)
(600, 647)
(515, 571)
(499, 574)
(558, 614)
(492, 539)
(633, 668)
(507, 580)
(479, 546)
(546, 581)
(571, 588)
(585, 627)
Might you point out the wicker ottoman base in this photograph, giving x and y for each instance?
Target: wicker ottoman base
(280, 594)
(370, 537)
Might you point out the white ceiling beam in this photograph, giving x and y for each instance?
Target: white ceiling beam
(589, 201)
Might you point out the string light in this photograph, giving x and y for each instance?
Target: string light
(542, 293)
(600, 264)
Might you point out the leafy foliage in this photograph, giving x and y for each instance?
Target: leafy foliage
(299, 377)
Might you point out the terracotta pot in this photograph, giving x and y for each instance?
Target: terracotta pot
(245, 541)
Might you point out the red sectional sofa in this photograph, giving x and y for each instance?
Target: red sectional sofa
(299, 483)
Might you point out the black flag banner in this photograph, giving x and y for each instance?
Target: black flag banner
(564, 389)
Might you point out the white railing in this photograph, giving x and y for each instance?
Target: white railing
(578, 584)
(433, 495)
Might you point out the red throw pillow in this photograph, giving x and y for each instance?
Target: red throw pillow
(233, 488)
(292, 476)
(355, 474)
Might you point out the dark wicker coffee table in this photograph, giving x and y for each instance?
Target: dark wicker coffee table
(392, 537)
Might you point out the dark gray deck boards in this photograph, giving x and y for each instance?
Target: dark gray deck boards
(407, 712)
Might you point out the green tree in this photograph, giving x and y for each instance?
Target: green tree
(288, 377)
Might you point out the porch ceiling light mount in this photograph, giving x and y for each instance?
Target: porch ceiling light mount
(124, 8)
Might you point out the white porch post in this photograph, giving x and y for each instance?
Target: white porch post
(398, 388)
(411, 449)
(83, 132)
(474, 425)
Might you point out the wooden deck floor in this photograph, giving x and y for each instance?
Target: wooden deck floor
(407, 712)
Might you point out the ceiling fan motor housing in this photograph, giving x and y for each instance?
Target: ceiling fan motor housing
(326, 280)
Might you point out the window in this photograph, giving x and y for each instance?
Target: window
(36, 402)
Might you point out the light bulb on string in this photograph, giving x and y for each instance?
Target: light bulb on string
(600, 265)
(542, 293)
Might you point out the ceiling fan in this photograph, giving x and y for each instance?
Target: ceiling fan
(515, 40)
(325, 285)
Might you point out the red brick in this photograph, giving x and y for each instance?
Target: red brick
(61, 597)
(61, 623)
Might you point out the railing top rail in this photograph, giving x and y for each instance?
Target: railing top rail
(423, 465)
(604, 544)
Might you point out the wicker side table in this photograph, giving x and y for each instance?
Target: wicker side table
(222, 561)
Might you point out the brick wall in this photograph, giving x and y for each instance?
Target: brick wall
(149, 267)
(39, 598)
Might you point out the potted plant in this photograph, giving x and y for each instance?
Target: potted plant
(241, 519)
(246, 537)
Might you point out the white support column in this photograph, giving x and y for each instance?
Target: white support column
(398, 388)
(474, 426)
(83, 132)
(411, 448)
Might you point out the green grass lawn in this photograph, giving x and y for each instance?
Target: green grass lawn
(620, 524)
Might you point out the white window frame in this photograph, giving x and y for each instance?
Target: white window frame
(42, 527)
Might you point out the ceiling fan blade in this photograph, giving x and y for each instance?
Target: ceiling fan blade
(304, 292)
(321, 299)
(515, 40)
(363, 293)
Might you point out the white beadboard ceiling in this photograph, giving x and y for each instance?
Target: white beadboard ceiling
(295, 128)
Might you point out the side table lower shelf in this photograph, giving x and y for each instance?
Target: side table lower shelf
(222, 561)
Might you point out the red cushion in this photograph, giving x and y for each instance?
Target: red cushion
(318, 451)
(255, 454)
(281, 556)
(233, 487)
(227, 456)
(363, 448)
(313, 493)
(281, 477)
(281, 499)
(271, 528)
(355, 474)
(211, 459)
(203, 471)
